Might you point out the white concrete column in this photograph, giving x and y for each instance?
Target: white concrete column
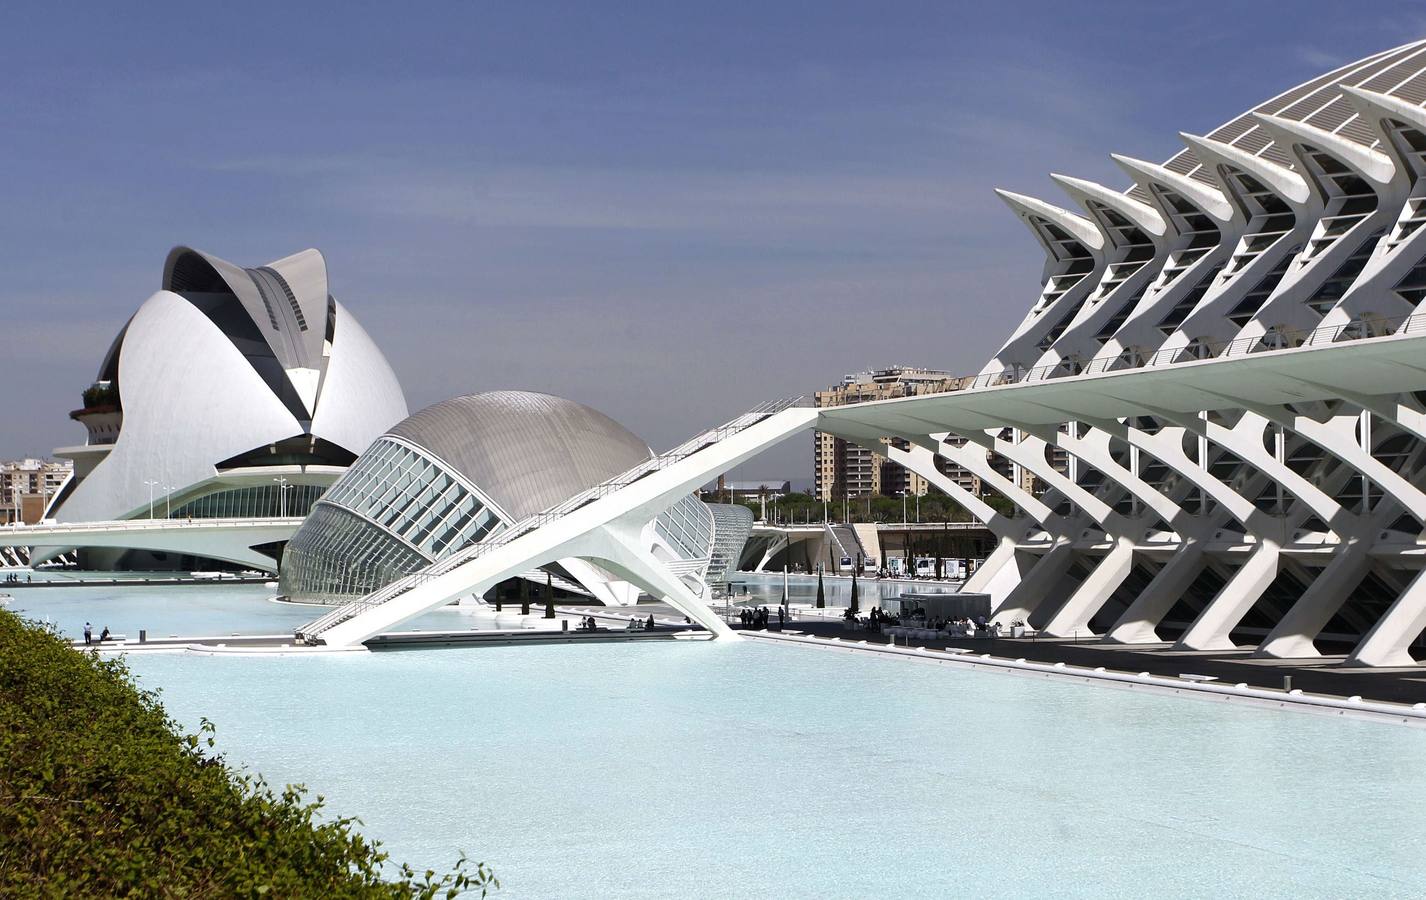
(1139, 623)
(1210, 631)
(1386, 644)
(1027, 596)
(1292, 637)
(999, 574)
(1072, 618)
(623, 555)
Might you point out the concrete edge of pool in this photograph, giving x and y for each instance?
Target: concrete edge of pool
(1353, 706)
(1349, 707)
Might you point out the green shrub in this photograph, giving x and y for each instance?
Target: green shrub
(102, 795)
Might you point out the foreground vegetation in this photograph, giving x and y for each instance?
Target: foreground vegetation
(101, 794)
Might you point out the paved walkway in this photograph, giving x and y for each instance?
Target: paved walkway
(1321, 676)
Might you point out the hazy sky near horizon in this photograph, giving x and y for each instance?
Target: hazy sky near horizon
(669, 211)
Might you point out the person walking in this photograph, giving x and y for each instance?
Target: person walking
(88, 634)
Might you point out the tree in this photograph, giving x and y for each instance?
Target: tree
(821, 592)
(524, 596)
(549, 596)
(854, 607)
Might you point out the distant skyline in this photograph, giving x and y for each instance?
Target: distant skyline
(669, 212)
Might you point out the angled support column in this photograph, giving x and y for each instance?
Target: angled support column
(1292, 637)
(1386, 644)
(1139, 623)
(1211, 629)
(1027, 596)
(620, 552)
(922, 462)
(778, 543)
(998, 575)
(1072, 618)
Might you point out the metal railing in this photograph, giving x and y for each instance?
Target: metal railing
(1196, 351)
(148, 524)
(441, 567)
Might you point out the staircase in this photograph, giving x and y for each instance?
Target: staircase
(311, 633)
(844, 543)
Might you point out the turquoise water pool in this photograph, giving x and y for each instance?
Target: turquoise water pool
(746, 770)
(658, 770)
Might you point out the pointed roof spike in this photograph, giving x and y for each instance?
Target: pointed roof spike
(1283, 181)
(1205, 197)
(1083, 229)
(1371, 164)
(1138, 212)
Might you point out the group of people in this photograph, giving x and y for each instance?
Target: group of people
(642, 624)
(758, 617)
(962, 627)
(89, 634)
(588, 624)
(14, 578)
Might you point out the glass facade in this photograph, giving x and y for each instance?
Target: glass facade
(392, 513)
(732, 524)
(257, 502)
(688, 528)
(414, 498)
(337, 556)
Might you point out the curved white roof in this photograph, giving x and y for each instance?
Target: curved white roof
(526, 451)
(202, 381)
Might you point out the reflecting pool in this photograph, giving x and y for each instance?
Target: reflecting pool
(695, 769)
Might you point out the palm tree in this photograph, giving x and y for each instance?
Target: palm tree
(821, 593)
(524, 596)
(549, 596)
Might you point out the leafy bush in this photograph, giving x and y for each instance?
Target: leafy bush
(102, 795)
(100, 395)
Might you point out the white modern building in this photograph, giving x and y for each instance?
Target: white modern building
(236, 393)
(1227, 357)
(467, 469)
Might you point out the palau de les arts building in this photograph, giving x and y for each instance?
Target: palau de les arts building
(1228, 352)
(250, 393)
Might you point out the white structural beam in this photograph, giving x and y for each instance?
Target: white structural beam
(598, 531)
(229, 540)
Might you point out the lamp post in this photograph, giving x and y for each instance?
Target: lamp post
(151, 485)
(903, 506)
(281, 496)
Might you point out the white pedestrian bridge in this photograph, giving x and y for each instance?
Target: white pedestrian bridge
(230, 540)
(1064, 558)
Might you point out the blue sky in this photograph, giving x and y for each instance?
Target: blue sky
(668, 211)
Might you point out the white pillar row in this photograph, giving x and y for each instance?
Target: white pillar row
(1210, 631)
(1001, 571)
(1073, 612)
(1074, 615)
(1023, 596)
(1139, 622)
(1294, 634)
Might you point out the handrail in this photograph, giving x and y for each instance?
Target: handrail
(148, 524)
(1271, 341)
(441, 567)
